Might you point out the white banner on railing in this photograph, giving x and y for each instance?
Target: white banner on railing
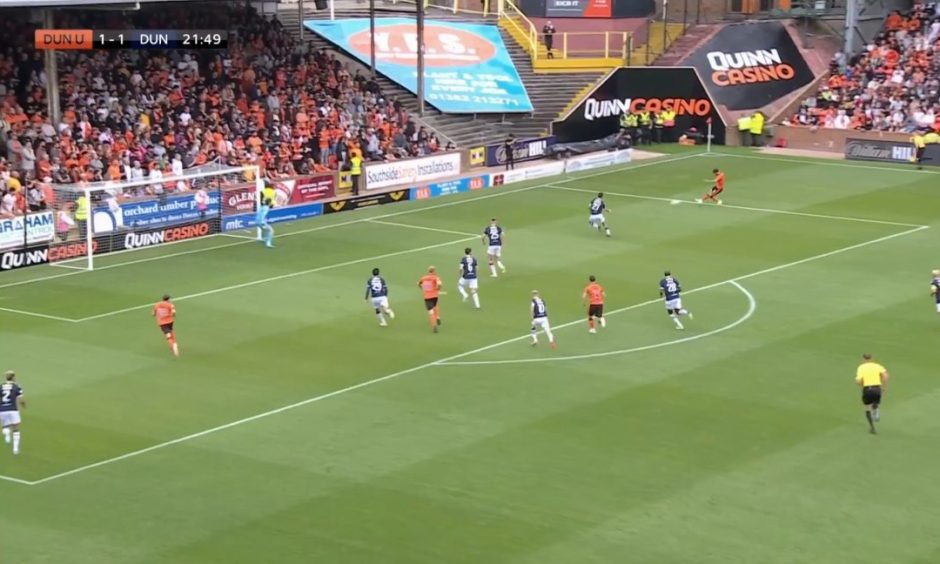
(32, 229)
(412, 171)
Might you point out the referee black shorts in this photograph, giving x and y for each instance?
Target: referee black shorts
(871, 395)
(430, 303)
(596, 310)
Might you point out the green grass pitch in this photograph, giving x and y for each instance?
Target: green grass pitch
(295, 429)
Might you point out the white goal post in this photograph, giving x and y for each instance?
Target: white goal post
(94, 218)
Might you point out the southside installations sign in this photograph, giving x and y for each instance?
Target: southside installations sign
(749, 65)
(467, 67)
(627, 89)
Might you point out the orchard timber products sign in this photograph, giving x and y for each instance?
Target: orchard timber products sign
(750, 65)
(629, 89)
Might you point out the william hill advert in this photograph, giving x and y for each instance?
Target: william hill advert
(749, 65)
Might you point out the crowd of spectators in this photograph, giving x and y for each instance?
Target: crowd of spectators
(267, 100)
(892, 85)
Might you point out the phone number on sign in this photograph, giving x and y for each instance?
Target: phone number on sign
(474, 99)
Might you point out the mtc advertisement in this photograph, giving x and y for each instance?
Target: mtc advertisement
(276, 215)
(411, 171)
(451, 187)
(749, 65)
(467, 67)
(522, 150)
(630, 89)
(153, 212)
(32, 229)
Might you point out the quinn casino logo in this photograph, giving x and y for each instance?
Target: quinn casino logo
(443, 46)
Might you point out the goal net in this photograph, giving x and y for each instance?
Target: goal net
(69, 225)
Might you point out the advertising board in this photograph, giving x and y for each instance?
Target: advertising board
(367, 201)
(411, 171)
(28, 230)
(886, 151)
(628, 89)
(153, 212)
(276, 215)
(467, 66)
(527, 173)
(522, 150)
(598, 160)
(749, 65)
(450, 187)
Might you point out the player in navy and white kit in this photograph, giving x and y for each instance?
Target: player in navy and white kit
(469, 277)
(597, 219)
(493, 239)
(935, 287)
(11, 402)
(540, 320)
(671, 290)
(377, 291)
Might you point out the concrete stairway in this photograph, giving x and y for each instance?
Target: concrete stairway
(685, 45)
(649, 42)
(550, 94)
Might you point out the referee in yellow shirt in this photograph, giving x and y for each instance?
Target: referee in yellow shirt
(872, 377)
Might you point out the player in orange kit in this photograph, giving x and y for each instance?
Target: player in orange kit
(165, 312)
(717, 189)
(594, 296)
(430, 285)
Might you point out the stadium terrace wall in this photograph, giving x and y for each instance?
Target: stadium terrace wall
(877, 146)
(303, 197)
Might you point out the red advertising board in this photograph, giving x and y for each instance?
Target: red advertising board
(238, 199)
(313, 188)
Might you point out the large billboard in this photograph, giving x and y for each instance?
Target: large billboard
(630, 88)
(467, 67)
(747, 66)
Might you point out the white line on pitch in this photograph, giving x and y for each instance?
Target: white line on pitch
(276, 278)
(745, 208)
(495, 193)
(751, 308)
(17, 480)
(40, 315)
(409, 226)
(828, 163)
(440, 362)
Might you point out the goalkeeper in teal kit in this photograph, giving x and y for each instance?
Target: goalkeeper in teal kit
(265, 231)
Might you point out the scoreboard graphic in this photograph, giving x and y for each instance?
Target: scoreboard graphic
(89, 39)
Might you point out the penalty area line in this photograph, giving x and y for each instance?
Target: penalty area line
(751, 308)
(440, 362)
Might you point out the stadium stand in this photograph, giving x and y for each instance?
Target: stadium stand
(268, 100)
(892, 85)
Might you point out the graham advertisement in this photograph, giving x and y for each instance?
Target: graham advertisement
(749, 65)
(367, 201)
(632, 88)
